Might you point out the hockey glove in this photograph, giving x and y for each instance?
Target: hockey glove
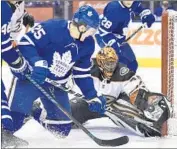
(97, 104)
(40, 71)
(20, 69)
(147, 17)
(28, 20)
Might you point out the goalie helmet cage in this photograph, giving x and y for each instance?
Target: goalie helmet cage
(169, 67)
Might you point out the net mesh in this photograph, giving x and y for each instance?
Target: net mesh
(172, 70)
(172, 59)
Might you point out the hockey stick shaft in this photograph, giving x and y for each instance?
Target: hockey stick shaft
(11, 86)
(133, 34)
(113, 142)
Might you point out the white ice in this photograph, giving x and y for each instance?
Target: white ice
(38, 137)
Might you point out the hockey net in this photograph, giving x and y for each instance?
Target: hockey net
(169, 68)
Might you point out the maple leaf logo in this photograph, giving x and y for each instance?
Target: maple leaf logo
(61, 64)
(90, 13)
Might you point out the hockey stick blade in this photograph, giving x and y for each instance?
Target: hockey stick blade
(114, 142)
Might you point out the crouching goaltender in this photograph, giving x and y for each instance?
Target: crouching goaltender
(130, 104)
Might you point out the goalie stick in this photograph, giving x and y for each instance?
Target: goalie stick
(114, 142)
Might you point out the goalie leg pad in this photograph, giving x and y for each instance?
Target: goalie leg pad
(155, 106)
(131, 120)
(158, 108)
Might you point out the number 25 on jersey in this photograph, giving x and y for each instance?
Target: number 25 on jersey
(38, 31)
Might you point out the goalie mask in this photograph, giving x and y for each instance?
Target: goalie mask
(107, 61)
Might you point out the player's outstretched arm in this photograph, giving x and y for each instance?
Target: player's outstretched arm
(145, 14)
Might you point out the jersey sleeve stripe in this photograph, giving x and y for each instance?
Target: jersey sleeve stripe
(3, 101)
(81, 69)
(5, 107)
(22, 43)
(6, 41)
(103, 32)
(7, 49)
(7, 44)
(82, 76)
(30, 41)
(6, 117)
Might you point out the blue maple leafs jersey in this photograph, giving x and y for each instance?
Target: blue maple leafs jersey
(115, 20)
(51, 41)
(8, 53)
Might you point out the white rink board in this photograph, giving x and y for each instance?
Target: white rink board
(147, 41)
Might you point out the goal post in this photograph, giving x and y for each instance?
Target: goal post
(169, 68)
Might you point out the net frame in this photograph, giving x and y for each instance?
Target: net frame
(169, 49)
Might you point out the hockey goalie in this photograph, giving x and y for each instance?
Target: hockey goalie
(130, 104)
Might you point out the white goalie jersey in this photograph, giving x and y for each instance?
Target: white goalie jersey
(123, 80)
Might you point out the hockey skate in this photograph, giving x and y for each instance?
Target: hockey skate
(11, 141)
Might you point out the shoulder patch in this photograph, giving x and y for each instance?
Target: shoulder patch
(124, 71)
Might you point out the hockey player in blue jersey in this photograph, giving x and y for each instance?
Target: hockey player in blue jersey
(17, 64)
(55, 49)
(114, 26)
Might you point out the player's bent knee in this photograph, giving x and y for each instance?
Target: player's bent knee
(59, 128)
(18, 120)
